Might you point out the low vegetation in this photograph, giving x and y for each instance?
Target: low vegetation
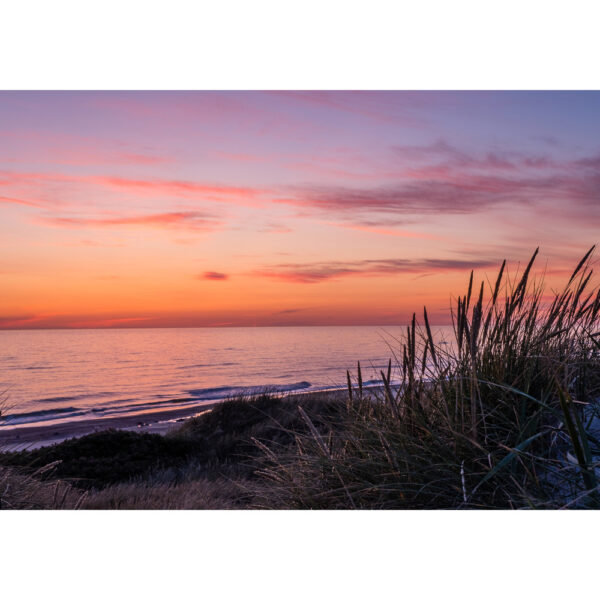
(504, 415)
(210, 461)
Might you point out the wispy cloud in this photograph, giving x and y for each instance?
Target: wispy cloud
(449, 155)
(323, 271)
(377, 229)
(193, 220)
(177, 188)
(412, 198)
(19, 321)
(441, 179)
(213, 276)
(7, 200)
(290, 311)
(38, 182)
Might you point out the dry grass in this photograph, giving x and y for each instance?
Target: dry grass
(25, 490)
(493, 420)
(19, 491)
(207, 462)
(151, 495)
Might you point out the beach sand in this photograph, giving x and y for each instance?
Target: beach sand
(35, 436)
(29, 437)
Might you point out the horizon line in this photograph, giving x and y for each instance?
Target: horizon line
(214, 326)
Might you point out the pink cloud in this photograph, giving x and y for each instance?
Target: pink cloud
(177, 188)
(19, 321)
(139, 187)
(7, 200)
(385, 231)
(193, 220)
(319, 272)
(451, 193)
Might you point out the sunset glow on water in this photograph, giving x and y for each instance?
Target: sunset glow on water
(63, 375)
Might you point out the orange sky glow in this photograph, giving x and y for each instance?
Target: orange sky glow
(177, 209)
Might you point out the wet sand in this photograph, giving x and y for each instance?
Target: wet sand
(35, 436)
(29, 437)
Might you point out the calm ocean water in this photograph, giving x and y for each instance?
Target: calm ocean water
(62, 375)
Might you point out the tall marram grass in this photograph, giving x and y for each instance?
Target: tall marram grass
(500, 417)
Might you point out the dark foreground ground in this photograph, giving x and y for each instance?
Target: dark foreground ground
(210, 461)
(320, 450)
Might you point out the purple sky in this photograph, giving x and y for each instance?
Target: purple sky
(207, 208)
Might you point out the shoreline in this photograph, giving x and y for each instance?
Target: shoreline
(30, 437)
(37, 436)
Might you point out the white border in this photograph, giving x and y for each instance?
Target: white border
(264, 555)
(308, 44)
(298, 45)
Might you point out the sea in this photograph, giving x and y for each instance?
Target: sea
(65, 375)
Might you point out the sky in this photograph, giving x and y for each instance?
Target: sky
(175, 209)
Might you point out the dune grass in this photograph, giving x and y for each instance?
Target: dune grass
(207, 462)
(27, 491)
(501, 417)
